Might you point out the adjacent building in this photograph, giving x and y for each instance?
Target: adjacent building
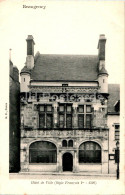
(14, 119)
(69, 121)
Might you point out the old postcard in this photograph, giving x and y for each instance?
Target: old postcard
(62, 97)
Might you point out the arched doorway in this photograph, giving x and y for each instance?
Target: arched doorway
(67, 162)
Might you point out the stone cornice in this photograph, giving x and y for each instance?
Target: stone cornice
(59, 89)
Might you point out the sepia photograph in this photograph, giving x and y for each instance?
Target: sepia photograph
(63, 99)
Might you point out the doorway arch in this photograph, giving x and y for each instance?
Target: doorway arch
(67, 162)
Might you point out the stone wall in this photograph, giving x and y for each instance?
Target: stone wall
(14, 122)
(30, 115)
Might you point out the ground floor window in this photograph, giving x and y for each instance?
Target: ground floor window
(42, 152)
(89, 152)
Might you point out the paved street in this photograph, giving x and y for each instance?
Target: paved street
(61, 176)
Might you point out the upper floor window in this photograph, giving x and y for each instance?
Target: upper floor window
(45, 116)
(65, 116)
(84, 116)
(117, 132)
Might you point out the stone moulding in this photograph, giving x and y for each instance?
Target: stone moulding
(100, 134)
(45, 89)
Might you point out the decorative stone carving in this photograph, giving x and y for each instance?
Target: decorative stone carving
(92, 134)
(73, 89)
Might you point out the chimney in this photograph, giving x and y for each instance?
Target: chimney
(101, 51)
(30, 52)
(101, 47)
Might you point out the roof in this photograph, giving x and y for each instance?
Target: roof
(65, 67)
(25, 70)
(114, 96)
(103, 71)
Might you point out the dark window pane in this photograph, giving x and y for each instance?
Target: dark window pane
(41, 120)
(70, 143)
(88, 121)
(49, 121)
(64, 143)
(68, 120)
(116, 126)
(42, 152)
(117, 153)
(88, 108)
(81, 108)
(65, 85)
(89, 152)
(42, 156)
(81, 120)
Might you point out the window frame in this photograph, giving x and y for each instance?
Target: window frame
(44, 153)
(117, 130)
(46, 113)
(85, 113)
(65, 113)
(93, 152)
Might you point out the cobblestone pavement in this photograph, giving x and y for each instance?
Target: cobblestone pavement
(61, 177)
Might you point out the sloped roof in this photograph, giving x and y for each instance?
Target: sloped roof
(25, 70)
(114, 96)
(65, 67)
(103, 71)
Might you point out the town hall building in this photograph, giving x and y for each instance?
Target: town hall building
(69, 114)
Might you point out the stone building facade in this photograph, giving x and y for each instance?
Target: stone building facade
(64, 112)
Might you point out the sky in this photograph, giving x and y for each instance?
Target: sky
(64, 27)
